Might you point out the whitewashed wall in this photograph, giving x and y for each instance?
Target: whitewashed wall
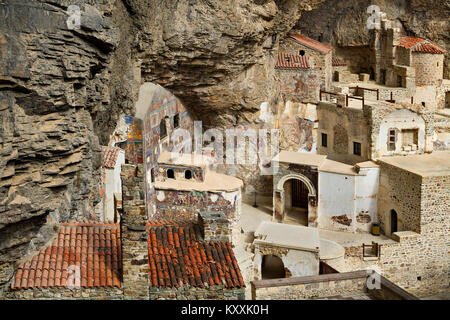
(366, 197)
(336, 198)
(400, 119)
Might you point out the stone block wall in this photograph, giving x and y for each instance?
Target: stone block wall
(343, 126)
(193, 293)
(134, 234)
(186, 205)
(215, 226)
(399, 190)
(310, 287)
(107, 293)
(429, 68)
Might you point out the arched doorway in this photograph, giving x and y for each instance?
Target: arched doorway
(296, 202)
(394, 227)
(272, 267)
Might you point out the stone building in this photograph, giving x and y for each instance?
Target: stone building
(311, 190)
(113, 158)
(377, 129)
(138, 259)
(283, 251)
(184, 188)
(319, 55)
(413, 63)
(299, 81)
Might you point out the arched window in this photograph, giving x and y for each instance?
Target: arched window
(188, 174)
(170, 174)
(302, 52)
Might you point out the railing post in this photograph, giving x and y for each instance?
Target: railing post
(378, 94)
(346, 100)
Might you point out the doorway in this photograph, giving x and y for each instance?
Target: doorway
(383, 76)
(296, 205)
(272, 267)
(393, 221)
(447, 100)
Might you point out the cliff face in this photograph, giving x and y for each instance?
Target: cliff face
(62, 91)
(343, 23)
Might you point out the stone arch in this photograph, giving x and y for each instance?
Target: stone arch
(305, 180)
(340, 139)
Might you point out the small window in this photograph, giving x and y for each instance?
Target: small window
(324, 140)
(170, 174)
(176, 121)
(188, 174)
(302, 52)
(357, 148)
(391, 140)
(152, 175)
(423, 104)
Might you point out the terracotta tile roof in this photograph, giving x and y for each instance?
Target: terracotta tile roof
(420, 45)
(336, 62)
(178, 257)
(311, 43)
(110, 155)
(291, 61)
(95, 248)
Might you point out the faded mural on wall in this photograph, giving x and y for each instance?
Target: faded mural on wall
(168, 108)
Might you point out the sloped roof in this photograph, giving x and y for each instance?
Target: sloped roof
(311, 43)
(178, 257)
(110, 155)
(420, 45)
(92, 247)
(336, 62)
(291, 61)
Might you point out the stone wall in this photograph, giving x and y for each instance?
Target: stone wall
(134, 234)
(300, 85)
(321, 61)
(193, 293)
(310, 287)
(429, 68)
(66, 294)
(215, 226)
(343, 126)
(186, 205)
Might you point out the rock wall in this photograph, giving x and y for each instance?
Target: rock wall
(63, 91)
(343, 23)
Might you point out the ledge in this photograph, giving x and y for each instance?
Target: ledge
(309, 279)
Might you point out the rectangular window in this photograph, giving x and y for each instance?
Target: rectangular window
(324, 140)
(357, 148)
(176, 121)
(391, 140)
(409, 137)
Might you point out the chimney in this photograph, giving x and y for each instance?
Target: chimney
(134, 235)
(214, 226)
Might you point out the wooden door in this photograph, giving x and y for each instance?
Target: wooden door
(299, 194)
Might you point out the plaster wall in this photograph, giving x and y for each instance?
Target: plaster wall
(336, 201)
(400, 120)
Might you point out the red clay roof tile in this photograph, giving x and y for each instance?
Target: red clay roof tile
(178, 256)
(110, 155)
(75, 245)
(291, 61)
(311, 43)
(420, 45)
